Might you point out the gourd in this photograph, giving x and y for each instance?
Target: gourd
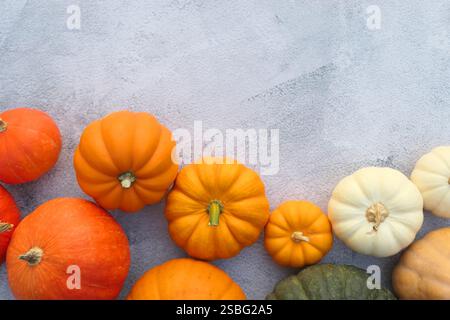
(298, 233)
(216, 208)
(124, 161)
(376, 211)
(432, 176)
(328, 282)
(30, 143)
(68, 249)
(9, 219)
(186, 279)
(423, 269)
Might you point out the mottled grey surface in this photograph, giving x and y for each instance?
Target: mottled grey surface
(343, 96)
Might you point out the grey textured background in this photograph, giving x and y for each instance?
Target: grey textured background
(343, 96)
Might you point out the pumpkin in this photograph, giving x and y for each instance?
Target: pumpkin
(9, 218)
(423, 269)
(68, 249)
(432, 176)
(30, 144)
(328, 282)
(216, 208)
(186, 279)
(298, 233)
(376, 211)
(124, 161)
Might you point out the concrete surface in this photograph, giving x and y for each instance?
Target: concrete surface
(343, 96)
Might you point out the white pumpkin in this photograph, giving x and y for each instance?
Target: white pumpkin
(432, 176)
(376, 211)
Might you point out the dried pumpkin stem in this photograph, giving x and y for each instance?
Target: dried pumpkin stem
(3, 125)
(127, 179)
(298, 236)
(376, 214)
(33, 256)
(5, 227)
(214, 209)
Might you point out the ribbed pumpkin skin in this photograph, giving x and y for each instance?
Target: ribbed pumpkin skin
(30, 144)
(245, 209)
(125, 142)
(69, 232)
(328, 282)
(423, 270)
(298, 233)
(186, 279)
(9, 219)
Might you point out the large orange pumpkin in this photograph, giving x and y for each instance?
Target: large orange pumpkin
(68, 249)
(124, 160)
(30, 143)
(216, 208)
(298, 234)
(9, 218)
(186, 279)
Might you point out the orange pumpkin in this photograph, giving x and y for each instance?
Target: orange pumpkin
(68, 249)
(30, 143)
(124, 161)
(216, 208)
(186, 279)
(9, 218)
(298, 234)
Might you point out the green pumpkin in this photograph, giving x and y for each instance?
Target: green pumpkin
(328, 282)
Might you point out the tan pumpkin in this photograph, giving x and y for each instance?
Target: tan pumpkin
(423, 271)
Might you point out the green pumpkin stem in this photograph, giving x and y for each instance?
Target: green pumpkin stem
(3, 125)
(5, 227)
(33, 256)
(215, 208)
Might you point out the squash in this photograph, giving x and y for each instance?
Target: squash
(68, 249)
(298, 233)
(124, 161)
(185, 279)
(432, 176)
(30, 143)
(9, 219)
(376, 211)
(423, 269)
(216, 208)
(328, 282)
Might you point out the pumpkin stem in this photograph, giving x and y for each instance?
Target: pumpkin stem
(3, 125)
(298, 236)
(127, 179)
(376, 214)
(5, 227)
(33, 256)
(214, 209)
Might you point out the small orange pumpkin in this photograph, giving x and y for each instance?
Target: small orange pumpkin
(68, 249)
(124, 161)
(9, 218)
(298, 234)
(186, 279)
(30, 144)
(216, 208)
